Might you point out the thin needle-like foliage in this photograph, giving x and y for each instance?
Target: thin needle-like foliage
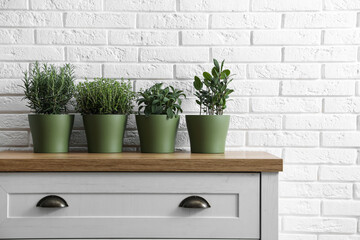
(49, 89)
(104, 96)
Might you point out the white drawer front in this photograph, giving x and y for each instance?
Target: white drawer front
(130, 205)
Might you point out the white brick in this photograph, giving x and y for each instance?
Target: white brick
(235, 139)
(339, 237)
(341, 139)
(215, 37)
(30, 19)
(341, 5)
(299, 206)
(315, 190)
(31, 53)
(285, 5)
(140, 5)
(297, 237)
(255, 122)
(13, 138)
(188, 71)
(16, 36)
(65, 4)
(287, 37)
(13, 4)
(342, 36)
(284, 71)
(320, 20)
(11, 86)
(12, 70)
(340, 173)
(237, 105)
(13, 104)
(211, 5)
(14, 121)
(138, 71)
(342, 105)
(100, 20)
(70, 36)
(248, 54)
(321, 122)
(255, 88)
(283, 139)
(174, 54)
(299, 173)
(293, 105)
(319, 225)
(318, 88)
(109, 54)
(320, 156)
(316, 54)
(143, 38)
(172, 20)
(245, 20)
(342, 70)
(357, 190)
(87, 70)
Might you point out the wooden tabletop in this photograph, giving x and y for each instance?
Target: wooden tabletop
(139, 162)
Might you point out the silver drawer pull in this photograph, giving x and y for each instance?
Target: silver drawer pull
(194, 202)
(52, 201)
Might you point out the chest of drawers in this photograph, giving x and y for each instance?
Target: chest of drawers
(131, 195)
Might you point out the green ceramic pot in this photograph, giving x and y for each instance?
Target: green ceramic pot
(51, 132)
(157, 133)
(104, 133)
(207, 132)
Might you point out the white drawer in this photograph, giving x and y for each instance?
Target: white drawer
(130, 205)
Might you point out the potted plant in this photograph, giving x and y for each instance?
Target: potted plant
(104, 105)
(48, 90)
(208, 132)
(158, 125)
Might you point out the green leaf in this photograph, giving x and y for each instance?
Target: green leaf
(227, 72)
(216, 63)
(207, 75)
(197, 83)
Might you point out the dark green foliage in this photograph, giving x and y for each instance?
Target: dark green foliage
(49, 89)
(104, 96)
(213, 91)
(158, 100)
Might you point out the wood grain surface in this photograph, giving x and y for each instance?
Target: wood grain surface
(139, 162)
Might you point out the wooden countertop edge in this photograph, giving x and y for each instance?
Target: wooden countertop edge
(128, 162)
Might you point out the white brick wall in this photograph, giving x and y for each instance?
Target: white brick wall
(297, 87)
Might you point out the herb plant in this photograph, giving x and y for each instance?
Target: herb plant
(49, 89)
(158, 100)
(213, 91)
(104, 96)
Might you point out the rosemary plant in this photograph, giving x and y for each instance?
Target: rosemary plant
(104, 96)
(49, 89)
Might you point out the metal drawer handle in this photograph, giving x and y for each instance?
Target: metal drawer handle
(194, 202)
(52, 201)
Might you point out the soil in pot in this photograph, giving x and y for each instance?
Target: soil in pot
(157, 133)
(207, 132)
(104, 133)
(51, 132)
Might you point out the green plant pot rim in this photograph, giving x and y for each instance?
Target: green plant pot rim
(206, 116)
(156, 116)
(43, 114)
